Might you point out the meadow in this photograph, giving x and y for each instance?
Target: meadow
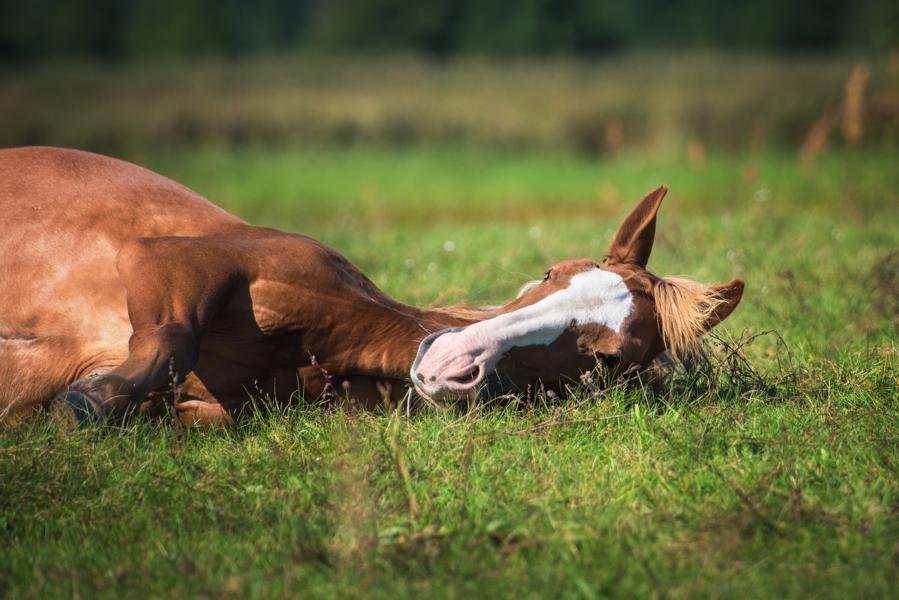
(773, 472)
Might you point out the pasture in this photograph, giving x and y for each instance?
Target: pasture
(772, 473)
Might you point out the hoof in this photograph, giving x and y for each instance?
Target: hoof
(72, 409)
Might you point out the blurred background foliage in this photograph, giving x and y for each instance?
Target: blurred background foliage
(128, 29)
(582, 76)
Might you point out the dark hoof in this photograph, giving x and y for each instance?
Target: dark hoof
(72, 409)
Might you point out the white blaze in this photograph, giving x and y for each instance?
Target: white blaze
(594, 296)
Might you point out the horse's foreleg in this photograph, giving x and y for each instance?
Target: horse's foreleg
(174, 286)
(158, 357)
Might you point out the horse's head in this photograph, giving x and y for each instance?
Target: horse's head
(582, 312)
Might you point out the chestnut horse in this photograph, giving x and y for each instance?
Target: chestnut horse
(120, 283)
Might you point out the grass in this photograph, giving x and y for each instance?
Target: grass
(788, 488)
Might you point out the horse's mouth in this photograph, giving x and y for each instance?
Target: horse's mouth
(467, 378)
(461, 385)
(434, 382)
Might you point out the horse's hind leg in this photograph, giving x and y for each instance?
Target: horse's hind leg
(174, 285)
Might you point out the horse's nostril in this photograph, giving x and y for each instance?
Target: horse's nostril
(433, 378)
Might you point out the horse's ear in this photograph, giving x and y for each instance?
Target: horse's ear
(633, 242)
(730, 295)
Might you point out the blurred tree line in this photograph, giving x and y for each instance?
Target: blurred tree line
(127, 29)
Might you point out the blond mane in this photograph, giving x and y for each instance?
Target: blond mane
(465, 313)
(684, 308)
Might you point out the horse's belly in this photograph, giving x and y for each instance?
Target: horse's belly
(63, 316)
(62, 285)
(33, 370)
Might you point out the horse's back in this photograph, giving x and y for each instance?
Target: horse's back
(44, 189)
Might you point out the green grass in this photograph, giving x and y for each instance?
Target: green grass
(788, 488)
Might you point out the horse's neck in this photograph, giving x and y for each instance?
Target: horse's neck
(346, 322)
(384, 339)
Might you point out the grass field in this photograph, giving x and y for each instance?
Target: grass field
(782, 483)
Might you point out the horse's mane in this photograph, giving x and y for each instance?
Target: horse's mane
(465, 313)
(684, 307)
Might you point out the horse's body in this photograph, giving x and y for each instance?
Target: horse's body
(119, 284)
(89, 241)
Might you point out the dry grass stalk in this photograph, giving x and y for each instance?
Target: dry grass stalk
(854, 104)
(817, 140)
(398, 457)
(696, 153)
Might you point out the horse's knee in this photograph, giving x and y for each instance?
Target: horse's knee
(172, 349)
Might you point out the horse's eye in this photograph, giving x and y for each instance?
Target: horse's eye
(546, 276)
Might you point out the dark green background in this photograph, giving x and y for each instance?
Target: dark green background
(127, 29)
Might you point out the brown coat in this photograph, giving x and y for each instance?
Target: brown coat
(110, 269)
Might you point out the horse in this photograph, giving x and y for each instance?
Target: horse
(125, 291)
